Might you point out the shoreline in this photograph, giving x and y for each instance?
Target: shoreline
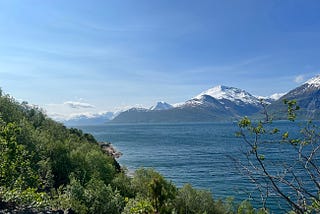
(110, 150)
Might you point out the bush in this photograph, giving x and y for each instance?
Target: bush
(194, 201)
(149, 184)
(138, 206)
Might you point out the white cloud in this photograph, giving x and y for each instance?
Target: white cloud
(78, 105)
(66, 110)
(65, 117)
(57, 116)
(299, 79)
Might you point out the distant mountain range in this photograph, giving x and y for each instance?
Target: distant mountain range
(220, 103)
(89, 119)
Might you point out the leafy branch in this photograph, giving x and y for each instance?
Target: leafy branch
(300, 174)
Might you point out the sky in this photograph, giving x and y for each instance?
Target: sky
(72, 57)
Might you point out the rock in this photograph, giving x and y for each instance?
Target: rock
(108, 149)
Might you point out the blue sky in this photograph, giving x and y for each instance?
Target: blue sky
(80, 56)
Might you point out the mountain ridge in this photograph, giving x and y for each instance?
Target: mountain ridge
(307, 96)
(219, 103)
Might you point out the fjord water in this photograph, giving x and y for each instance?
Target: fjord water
(199, 154)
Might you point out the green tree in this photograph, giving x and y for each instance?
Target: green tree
(122, 183)
(101, 198)
(162, 194)
(138, 206)
(19, 180)
(94, 197)
(149, 184)
(15, 167)
(245, 207)
(190, 200)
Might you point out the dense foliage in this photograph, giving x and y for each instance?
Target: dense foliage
(46, 166)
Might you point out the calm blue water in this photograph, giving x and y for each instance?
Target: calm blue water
(198, 154)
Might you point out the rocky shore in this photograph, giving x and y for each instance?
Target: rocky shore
(110, 150)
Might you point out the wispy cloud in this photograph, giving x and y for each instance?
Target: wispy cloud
(78, 105)
(299, 78)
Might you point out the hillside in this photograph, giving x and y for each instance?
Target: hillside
(40, 156)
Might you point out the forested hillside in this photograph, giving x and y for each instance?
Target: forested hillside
(42, 161)
(47, 167)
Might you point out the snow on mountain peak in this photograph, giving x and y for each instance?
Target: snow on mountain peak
(269, 99)
(276, 96)
(230, 93)
(161, 106)
(315, 81)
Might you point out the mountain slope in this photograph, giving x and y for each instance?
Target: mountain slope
(237, 101)
(308, 99)
(232, 94)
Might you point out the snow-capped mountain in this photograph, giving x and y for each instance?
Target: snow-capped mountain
(216, 104)
(314, 82)
(234, 101)
(307, 89)
(161, 106)
(308, 99)
(232, 94)
(228, 97)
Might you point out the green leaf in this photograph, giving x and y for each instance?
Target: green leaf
(245, 122)
(261, 157)
(285, 135)
(275, 131)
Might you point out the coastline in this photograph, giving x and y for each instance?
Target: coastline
(110, 150)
